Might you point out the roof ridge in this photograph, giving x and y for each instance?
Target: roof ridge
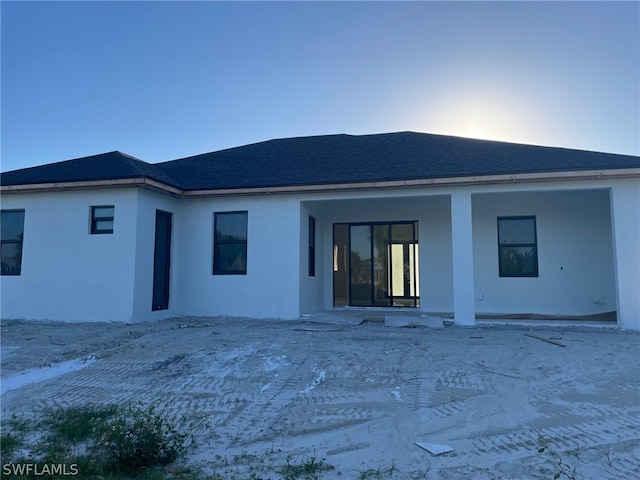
(149, 170)
(260, 142)
(124, 154)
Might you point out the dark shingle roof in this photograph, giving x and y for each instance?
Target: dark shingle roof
(105, 166)
(331, 159)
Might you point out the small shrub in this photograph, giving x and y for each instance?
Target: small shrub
(104, 442)
(13, 438)
(139, 438)
(9, 442)
(76, 424)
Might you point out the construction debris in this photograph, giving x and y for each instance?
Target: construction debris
(408, 321)
(333, 318)
(484, 368)
(549, 340)
(309, 329)
(435, 448)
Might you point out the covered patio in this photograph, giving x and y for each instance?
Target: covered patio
(542, 253)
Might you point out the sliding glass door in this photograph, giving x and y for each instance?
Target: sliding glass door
(376, 264)
(360, 255)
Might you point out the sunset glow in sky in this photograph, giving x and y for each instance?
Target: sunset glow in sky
(165, 80)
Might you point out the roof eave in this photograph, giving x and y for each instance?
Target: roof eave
(427, 182)
(147, 183)
(138, 182)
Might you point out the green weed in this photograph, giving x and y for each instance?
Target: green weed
(76, 424)
(310, 469)
(138, 442)
(101, 442)
(378, 473)
(139, 438)
(562, 469)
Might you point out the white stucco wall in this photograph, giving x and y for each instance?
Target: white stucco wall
(271, 286)
(574, 232)
(434, 237)
(575, 253)
(70, 275)
(67, 273)
(462, 245)
(311, 294)
(147, 204)
(436, 255)
(625, 203)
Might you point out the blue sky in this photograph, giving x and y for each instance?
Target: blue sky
(165, 80)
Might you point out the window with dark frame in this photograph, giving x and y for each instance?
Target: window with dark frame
(312, 247)
(12, 228)
(230, 243)
(102, 219)
(517, 246)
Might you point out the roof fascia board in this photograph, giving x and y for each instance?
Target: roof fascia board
(93, 184)
(433, 182)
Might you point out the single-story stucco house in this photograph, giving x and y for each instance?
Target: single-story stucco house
(282, 228)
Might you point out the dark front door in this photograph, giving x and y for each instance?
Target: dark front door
(162, 261)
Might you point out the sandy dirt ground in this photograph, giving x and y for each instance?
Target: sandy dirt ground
(360, 396)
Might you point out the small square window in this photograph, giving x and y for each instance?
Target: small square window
(102, 219)
(517, 247)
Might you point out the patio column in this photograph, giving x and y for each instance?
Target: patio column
(464, 311)
(625, 216)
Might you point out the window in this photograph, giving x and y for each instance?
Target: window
(230, 243)
(12, 228)
(102, 219)
(312, 247)
(517, 247)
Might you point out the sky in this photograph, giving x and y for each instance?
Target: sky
(166, 80)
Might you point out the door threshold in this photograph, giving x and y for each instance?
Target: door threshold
(376, 309)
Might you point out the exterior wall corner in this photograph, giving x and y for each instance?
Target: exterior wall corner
(625, 206)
